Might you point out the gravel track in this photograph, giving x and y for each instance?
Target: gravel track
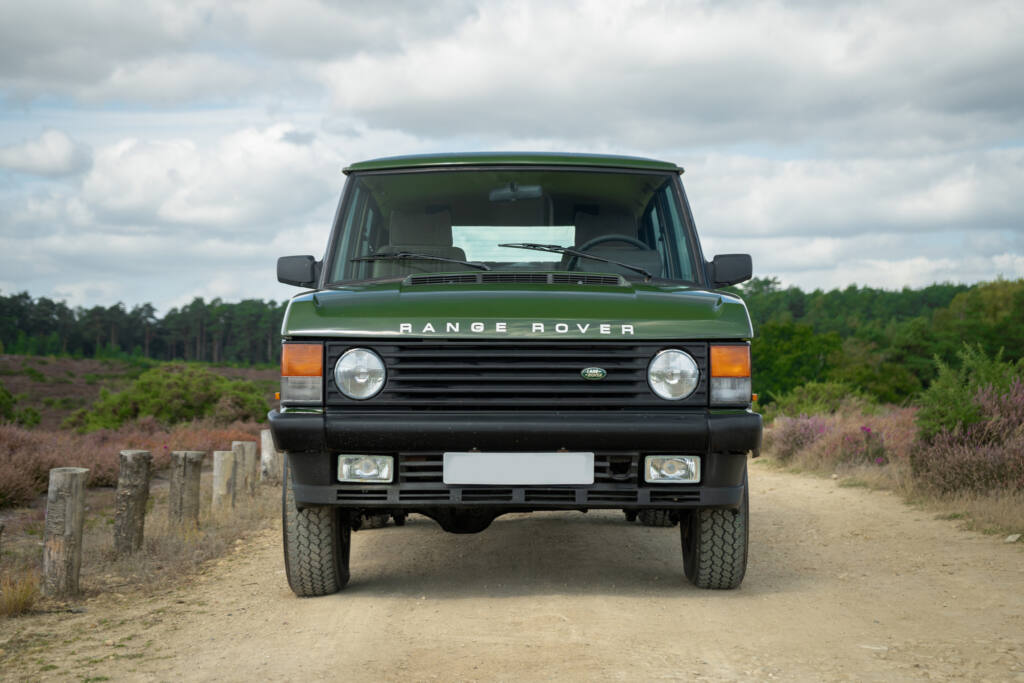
(843, 584)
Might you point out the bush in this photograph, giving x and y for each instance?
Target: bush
(10, 412)
(790, 435)
(18, 593)
(816, 398)
(844, 439)
(6, 405)
(984, 456)
(26, 457)
(172, 394)
(949, 403)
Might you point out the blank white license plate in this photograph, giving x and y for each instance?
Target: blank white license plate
(519, 469)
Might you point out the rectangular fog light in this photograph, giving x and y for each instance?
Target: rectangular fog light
(302, 390)
(730, 391)
(365, 468)
(672, 469)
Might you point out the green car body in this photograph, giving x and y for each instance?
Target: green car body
(455, 361)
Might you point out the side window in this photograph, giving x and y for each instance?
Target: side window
(361, 233)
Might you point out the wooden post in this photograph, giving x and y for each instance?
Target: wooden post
(270, 458)
(1, 540)
(248, 463)
(130, 501)
(224, 477)
(183, 499)
(62, 535)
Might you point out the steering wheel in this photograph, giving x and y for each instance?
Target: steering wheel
(590, 244)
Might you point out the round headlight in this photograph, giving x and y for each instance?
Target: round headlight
(673, 374)
(360, 374)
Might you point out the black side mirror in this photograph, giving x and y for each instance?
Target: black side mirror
(731, 269)
(300, 271)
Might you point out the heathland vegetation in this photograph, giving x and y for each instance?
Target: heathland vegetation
(925, 399)
(918, 389)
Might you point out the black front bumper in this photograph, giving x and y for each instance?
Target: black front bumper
(619, 441)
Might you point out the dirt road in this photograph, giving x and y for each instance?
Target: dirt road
(843, 584)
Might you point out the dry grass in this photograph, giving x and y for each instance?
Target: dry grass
(18, 592)
(995, 513)
(169, 555)
(169, 552)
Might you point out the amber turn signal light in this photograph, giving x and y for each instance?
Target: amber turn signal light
(730, 361)
(302, 360)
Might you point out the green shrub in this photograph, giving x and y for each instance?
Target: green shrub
(172, 394)
(816, 398)
(6, 405)
(10, 412)
(983, 457)
(34, 375)
(27, 417)
(949, 403)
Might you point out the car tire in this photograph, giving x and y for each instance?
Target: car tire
(631, 515)
(715, 544)
(317, 540)
(656, 518)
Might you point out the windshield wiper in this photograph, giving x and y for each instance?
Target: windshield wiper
(555, 249)
(399, 255)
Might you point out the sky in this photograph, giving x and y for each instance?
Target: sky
(159, 150)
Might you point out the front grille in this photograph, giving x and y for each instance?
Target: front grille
(523, 375)
(516, 278)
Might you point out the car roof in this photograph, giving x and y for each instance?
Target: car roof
(416, 161)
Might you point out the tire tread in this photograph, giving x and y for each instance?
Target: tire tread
(315, 547)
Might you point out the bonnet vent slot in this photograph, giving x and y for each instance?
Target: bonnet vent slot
(515, 278)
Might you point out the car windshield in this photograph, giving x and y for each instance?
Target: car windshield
(397, 224)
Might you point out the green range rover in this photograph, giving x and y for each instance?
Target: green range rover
(495, 333)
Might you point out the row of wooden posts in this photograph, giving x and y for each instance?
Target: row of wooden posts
(235, 472)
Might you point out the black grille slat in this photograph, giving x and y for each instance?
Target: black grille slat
(522, 375)
(526, 389)
(500, 495)
(364, 494)
(477, 376)
(611, 496)
(440, 495)
(533, 495)
(691, 495)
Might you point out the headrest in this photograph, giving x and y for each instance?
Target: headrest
(522, 212)
(648, 259)
(421, 228)
(589, 226)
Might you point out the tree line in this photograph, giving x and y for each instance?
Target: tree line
(883, 343)
(245, 332)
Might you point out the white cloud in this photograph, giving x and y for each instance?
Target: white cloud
(657, 75)
(741, 195)
(189, 143)
(253, 179)
(52, 154)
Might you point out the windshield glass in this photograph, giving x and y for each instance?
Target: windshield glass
(397, 224)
